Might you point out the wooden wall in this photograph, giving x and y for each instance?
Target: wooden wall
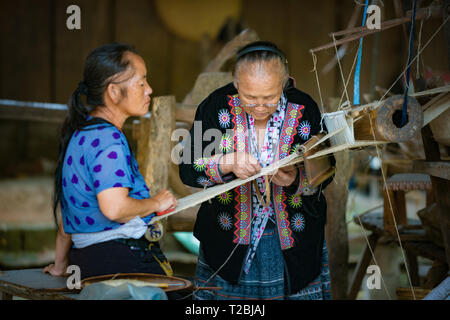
(41, 60)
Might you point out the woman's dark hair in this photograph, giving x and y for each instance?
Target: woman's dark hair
(261, 51)
(100, 69)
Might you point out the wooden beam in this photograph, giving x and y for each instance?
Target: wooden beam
(360, 32)
(439, 169)
(436, 109)
(440, 187)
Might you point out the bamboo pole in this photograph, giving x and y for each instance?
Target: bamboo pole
(359, 32)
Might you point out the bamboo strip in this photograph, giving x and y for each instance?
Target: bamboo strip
(436, 110)
(431, 91)
(202, 196)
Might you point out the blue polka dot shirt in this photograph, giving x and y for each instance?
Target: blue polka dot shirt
(97, 160)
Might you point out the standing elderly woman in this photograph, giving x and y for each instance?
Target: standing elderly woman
(105, 202)
(261, 240)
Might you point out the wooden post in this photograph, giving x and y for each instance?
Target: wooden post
(159, 145)
(440, 187)
(336, 229)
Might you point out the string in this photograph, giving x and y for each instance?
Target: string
(392, 212)
(378, 153)
(340, 69)
(230, 255)
(374, 259)
(314, 57)
(352, 203)
(418, 48)
(349, 75)
(358, 65)
(408, 68)
(417, 55)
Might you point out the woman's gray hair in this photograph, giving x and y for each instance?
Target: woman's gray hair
(258, 55)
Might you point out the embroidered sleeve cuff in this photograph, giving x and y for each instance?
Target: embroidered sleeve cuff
(212, 169)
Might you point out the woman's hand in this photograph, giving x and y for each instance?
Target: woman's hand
(165, 200)
(62, 248)
(285, 176)
(242, 164)
(56, 270)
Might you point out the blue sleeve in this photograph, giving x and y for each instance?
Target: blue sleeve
(109, 169)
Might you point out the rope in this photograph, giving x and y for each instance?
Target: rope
(379, 155)
(366, 170)
(392, 211)
(231, 254)
(418, 48)
(408, 68)
(358, 65)
(314, 57)
(417, 55)
(349, 75)
(340, 70)
(374, 259)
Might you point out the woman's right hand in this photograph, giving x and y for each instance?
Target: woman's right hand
(242, 164)
(165, 201)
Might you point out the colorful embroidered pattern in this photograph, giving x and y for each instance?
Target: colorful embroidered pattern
(224, 118)
(226, 144)
(240, 124)
(243, 198)
(225, 198)
(243, 218)
(298, 222)
(225, 221)
(204, 182)
(305, 129)
(212, 169)
(295, 201)
(200, 164)
(284, 231)
(293, 114)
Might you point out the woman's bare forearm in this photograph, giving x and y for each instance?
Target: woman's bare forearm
(130, 208)
(63, 245)
(117, 206)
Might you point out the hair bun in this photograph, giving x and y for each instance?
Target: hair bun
(83, 88)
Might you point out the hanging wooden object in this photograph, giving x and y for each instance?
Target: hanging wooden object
(318, 169)
(384, 122)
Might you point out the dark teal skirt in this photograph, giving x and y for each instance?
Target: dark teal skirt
(265, 280)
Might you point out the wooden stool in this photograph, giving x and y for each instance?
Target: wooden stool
(382, 224)
(395, 189)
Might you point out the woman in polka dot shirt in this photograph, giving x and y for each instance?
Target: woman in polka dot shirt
(104, 200)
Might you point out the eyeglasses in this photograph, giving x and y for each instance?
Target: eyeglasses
(254, 105)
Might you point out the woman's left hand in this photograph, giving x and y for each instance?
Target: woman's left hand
(56, 270)
(285, 176)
